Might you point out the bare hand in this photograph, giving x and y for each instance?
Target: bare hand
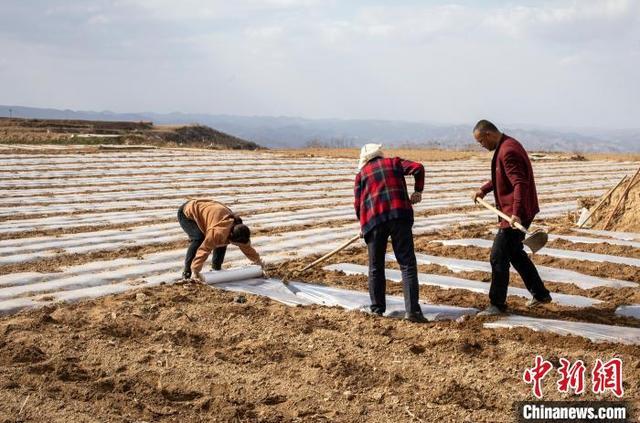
(476, 195)
(515, 219)
(197, 276)
(416, 197)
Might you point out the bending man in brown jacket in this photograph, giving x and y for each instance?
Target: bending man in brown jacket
(211, 227)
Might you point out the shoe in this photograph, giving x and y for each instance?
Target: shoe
(534, 302)
(186, 275)
(377, 311)
(416, 317)
(492, 310)
(371, 310)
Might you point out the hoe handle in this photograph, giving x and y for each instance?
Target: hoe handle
(502, 215)
(326, 256)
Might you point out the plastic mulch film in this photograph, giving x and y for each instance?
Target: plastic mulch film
(549, 274)
(450, 282)
(594, 332)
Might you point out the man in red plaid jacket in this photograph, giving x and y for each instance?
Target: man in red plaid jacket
(384, 209)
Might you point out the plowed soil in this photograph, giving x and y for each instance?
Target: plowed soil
(190, 352)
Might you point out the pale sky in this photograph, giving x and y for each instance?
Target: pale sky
(556, 63)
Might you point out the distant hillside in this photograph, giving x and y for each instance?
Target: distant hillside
(292, 132)
(77, 131)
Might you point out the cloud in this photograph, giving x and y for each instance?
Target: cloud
(576, 22)
(436, 60)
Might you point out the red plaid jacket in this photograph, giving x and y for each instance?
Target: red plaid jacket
(381, 191)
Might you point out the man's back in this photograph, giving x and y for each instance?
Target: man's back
(381, 191)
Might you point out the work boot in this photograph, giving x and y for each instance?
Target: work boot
(492, 310)
(534, 302)
(415, 317)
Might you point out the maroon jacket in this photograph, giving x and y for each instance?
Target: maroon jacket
(512, 183)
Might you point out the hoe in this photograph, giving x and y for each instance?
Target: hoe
(534, 240)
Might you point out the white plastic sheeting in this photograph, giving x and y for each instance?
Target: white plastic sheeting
(231, 275)
(20, 172)
(268, 220)
(100, 273)
(629, 311)
(167, 162)
(236, 280)
(97, 160)
(625, 236)
(429, 202)
(166, 181)
(594, 332)
(450, 282)
(297, 293)
(552, 252)
(191, 175)
(549, 274)
(590, 240)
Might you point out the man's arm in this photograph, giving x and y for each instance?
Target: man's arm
(250, 253)
(356, 194)
(484, 190)
(417, 170)
(487, 187)
(515, 169)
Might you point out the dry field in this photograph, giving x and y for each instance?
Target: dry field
(95, 325)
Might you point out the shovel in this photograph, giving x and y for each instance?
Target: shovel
(534, 240)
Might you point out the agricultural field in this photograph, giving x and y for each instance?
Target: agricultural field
(97, 326)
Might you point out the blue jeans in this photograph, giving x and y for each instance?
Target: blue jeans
(402, 242)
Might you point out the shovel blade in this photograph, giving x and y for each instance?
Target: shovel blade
(536, 240)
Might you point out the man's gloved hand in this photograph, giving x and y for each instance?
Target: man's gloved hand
(477, 194)
(416, 197)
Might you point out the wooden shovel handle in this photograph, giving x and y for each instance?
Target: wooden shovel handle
(602, 201)
(622, 197)
(502, 215)
(326, 256)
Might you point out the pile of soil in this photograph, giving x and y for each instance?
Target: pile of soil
(627, 216)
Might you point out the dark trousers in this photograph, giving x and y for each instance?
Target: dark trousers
(508, 249)
(402, 242)
(197, 237)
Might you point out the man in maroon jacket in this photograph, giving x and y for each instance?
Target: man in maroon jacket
(514, 192)
(383, 207)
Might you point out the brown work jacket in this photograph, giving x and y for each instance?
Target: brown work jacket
(215, 221)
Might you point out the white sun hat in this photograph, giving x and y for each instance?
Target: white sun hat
(368, 152)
